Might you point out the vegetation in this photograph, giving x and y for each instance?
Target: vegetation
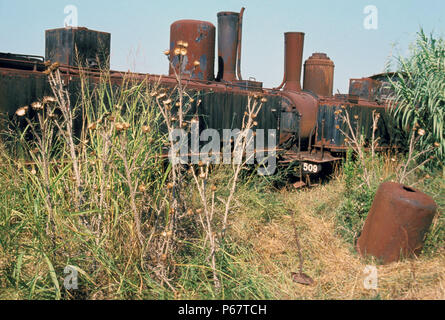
(419, 95)
(90, 188)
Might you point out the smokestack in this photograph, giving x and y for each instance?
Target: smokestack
(228, 32)
(293, 60)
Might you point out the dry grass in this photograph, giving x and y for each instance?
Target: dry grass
(330, 261)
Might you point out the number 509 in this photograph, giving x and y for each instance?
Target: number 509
(311, 168)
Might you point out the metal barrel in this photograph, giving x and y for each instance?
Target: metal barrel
(396, 225)
(293, 60)
(228, 33)
(200, 39)
(319, 75)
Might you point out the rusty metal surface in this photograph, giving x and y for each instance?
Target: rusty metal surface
(74, 46)
(20, 88)
(315, 156)
(228, 44)
(365, 88)
(396, 225)
(329, 125)
(248, 85)
(293, 60)
(225, 110)
(200, 38)
(319, 75)
(306, 105)
(240, 36)
(21, 62)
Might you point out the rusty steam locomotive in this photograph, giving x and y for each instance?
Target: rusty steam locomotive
(304, 115)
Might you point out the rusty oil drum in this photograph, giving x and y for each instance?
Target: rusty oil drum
(396, 225)
(200, 37)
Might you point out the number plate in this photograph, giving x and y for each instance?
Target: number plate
(311, 167)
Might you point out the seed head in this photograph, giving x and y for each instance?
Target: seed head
(180, 43)
(37, 105)
(49, 99)
(169, 185)
(436, 144)
(161, 95)
(213, 188)
(145, 129)
(421, 132)
(142, 188)
(196, 63)
(21, 111)
(183, 52)
(119, 126)
(168, 101)
(177, 51)
(167, 52)
(185, 44)
(54, 66)
(356, 117)
(264, 100)
(92, 126)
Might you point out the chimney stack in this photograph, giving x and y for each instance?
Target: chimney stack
(293, 60)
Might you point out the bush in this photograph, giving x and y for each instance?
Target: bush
(352, 213)
(419, 94)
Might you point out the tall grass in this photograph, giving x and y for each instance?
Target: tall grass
(133, 230)
(96, 199)
(93, 188)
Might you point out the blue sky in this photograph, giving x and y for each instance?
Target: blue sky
(140, 30)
